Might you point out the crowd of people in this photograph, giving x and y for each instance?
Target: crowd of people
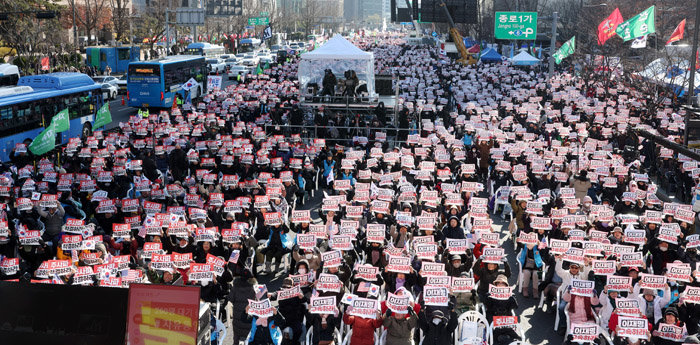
(403, 242)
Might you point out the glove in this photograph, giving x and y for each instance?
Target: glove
(388, 312)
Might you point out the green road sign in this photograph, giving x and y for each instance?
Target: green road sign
(259, 21)
(516, 25)
(264, 14)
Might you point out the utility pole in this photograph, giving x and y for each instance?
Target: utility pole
(75, 29)
(553, 44)
(691, 81)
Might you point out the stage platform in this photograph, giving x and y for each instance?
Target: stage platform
(342, 102)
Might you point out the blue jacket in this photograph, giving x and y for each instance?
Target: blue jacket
(328, 168)
(522, 258)
(275, 332)
(467, 140)
(301, 182)
(286, 241)
(348, 177)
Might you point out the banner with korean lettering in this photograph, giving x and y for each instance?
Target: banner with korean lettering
(162, 314)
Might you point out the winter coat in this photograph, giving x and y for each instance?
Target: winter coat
(581, 188)
(362, 329)
(487, 277)
(241, 292)
(440, 334)
(53, 222)
(400, 331)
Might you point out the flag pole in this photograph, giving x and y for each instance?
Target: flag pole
(691, 81)
(553, 44)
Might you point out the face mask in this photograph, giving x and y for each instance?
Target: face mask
(456, 264)
(436, 321)
(302, 271)
(663, 249)
(309, 256)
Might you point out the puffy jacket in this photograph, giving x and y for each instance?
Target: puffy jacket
(400, 331)
(440, 334)
(362, 329)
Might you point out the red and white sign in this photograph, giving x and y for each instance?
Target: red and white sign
(500, 292)
(633, 327)
(322, 305)
(399, 264)
(436, 296)
(261, 308)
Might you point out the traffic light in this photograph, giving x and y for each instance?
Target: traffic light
(38, 14)
(46, 15)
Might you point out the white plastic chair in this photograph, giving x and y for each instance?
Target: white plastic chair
(560, 292)
(519, 282)
(497, 202)
(473, 317)
(382, 338)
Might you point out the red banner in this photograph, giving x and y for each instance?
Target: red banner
(162, 314)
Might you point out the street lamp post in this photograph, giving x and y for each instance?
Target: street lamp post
(691, 81)
(553, 44)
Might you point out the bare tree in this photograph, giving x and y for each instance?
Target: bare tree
(151, 22)
(120, 18)
(27, 37)
(91, 15)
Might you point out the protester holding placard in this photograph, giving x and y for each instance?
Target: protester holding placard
(488, 272)
(266, 330)
(400, 327)
(278, 244)
(580, 304)
(530, 259)
(437, 327)
(292, 308)
(324, 326)
(362, 328)
(501, 304)
(670, 330)
(651, 303)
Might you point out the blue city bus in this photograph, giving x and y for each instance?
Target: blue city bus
(27, 108)
(117, 58)
(154, 84)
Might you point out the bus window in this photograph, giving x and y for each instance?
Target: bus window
(123, 54)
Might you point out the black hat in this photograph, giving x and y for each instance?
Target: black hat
(671, 310)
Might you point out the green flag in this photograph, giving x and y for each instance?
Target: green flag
(565, 50)
(103, 117)
(44, 142)
(637, 26)
(60, 121)
(258, 70)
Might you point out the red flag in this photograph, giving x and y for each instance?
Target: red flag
(45, 63)
(606, 29)
(677, 34)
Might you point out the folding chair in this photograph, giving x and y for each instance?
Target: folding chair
(482, 328)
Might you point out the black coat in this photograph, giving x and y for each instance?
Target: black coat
(440, 334)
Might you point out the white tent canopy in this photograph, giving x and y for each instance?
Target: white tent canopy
(338, 55)
(524, 59)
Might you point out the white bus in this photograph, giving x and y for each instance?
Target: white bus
(9, 74)
(205, 49)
